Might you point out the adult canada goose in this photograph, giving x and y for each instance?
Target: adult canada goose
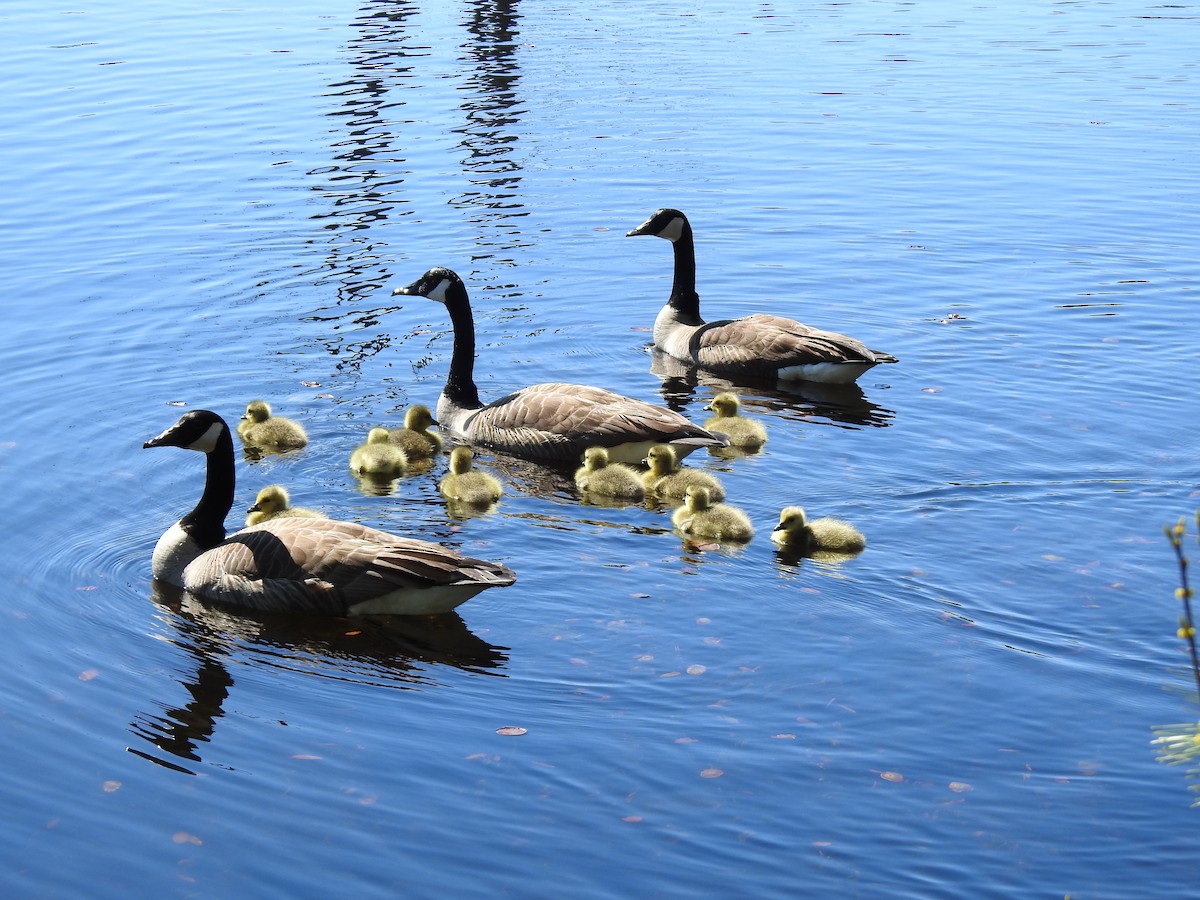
(546, 422)
(378, 458)
(745, 434)
(600, 477)
(272, 502)
(415, 438)
(258, 428)
(760, 345)
(467, 485)
(796, 533)
(667, 480)
(700, 517)
(299, 564)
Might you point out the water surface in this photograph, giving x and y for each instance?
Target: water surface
(212, 206)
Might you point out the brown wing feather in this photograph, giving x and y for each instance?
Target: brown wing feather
(773, 342)
(560, 420)
(326, 566)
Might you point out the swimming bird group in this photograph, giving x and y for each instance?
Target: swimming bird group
(298, 559)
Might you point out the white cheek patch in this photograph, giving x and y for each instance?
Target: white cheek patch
(673, 231)
(439, 292)
(207, 442)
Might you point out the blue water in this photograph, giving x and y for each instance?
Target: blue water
(208, 206)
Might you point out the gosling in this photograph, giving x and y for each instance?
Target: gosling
(378, 458)
(273, 502)
(258, 428)
(700, 517)
(466, 485)
(745, 434)
(600, 477)
(415, 438)
(798, 535)
(667, 480)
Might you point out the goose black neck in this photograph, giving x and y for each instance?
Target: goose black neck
(684, 298)
(460, 383)
(206, 523)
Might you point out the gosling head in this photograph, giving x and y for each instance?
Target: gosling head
(595, 458)
(436, 284)
(271, 499)
(661, 459)
(669, 224)
(257, 411)
(697, 498)
(792, 523)
(418, 418)
(377, 436)
(460, 460)
(725, 405)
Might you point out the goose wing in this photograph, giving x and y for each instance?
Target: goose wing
(774, 342)
(327, 566)
(561, 420)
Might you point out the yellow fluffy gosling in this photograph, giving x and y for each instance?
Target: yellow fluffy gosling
(700, 517)
(600, 477)
(415, 438)
(668, 480)
(273, 502)
(794, 532)
(377, 458)
(745, 434)
(258, 428)
(464, 484)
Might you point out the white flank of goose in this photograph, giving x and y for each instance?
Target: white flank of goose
(758, 346)
(301, 564)
(546, 422)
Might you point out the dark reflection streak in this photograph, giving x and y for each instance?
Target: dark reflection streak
(364, 187)
(389, 651)
(844, 406)
(492, 109)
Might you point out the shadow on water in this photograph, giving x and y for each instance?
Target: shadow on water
(386, 651)
(841, 405)
(366, 184)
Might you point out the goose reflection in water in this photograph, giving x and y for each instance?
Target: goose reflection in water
(843, 405)
(402, 652)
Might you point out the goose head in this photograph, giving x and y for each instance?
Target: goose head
(257, 411)
(271, 499)
(669, 224)
(197, 429)
(661, 459)
(725, 405)
(439, 283)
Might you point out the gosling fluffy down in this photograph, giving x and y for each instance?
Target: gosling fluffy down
(378, 458)
(743, 433)
(274, 502)
(603, 478)
(668, 480)
(464, 484)
(701, 518)
(415, 438)
(258, 428)
(795, 533)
